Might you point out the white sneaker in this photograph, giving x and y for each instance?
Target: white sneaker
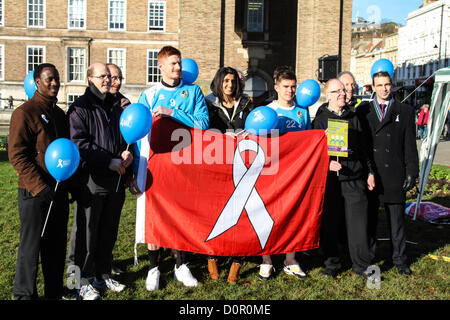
(265, 271)
(108, 283)
(152, 281)
(184, 275)
(88, 292)
(114, 285)
(294, 270)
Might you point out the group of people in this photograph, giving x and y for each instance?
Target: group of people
(381, 166)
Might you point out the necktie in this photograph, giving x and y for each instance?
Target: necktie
(383, 109)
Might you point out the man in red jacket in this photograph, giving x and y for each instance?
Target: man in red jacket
(34, 125)
(422, 120)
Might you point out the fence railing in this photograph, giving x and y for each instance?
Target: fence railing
(11, 102)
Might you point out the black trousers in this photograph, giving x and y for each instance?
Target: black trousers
(51, 247)
(395, 217)
(345, 202)
(97, 221)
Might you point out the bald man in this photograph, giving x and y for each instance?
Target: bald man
(348, 80)
(345, 198)
(94, 128)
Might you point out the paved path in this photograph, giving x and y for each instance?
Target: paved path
(442, 155)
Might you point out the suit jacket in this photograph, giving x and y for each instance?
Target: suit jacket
(393, 148)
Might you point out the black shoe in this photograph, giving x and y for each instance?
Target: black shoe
(70, 295)
(329, 273)
(404, 269)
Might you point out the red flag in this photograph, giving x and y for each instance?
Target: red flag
(212, 194)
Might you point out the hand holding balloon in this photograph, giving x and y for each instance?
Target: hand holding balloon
(127, 158)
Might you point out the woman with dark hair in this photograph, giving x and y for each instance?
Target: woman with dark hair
(228, 108)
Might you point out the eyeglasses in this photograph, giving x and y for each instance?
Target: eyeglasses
(115, 78)
(103, 76)
(340, 91)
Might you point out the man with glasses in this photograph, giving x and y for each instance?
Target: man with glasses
(94, 128)
(345, 198)
(392, 140)
(116, 84)
(348, 80)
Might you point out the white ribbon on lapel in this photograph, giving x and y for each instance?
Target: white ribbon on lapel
(246, 196)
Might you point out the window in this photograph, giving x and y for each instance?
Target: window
(2, 62)
(153, 73)
(119, 58)
(35, 56)
(1, 13)
(255, 14)
(76, 14)
(117, 15)
(156, 16)
(71, 97)
(76, 64)
(36, 13)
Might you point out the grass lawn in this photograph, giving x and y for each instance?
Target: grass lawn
(430, 279)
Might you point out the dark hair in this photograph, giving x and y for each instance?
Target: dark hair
(282, 73)
(216, 84)
(380, 74)
(38, 70)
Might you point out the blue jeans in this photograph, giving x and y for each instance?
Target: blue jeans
(422, 131)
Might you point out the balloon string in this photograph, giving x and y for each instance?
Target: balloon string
(48, 213)
(337, 159)
(120, 176)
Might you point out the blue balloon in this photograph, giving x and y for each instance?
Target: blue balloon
(261, 120)
(29, 85)
(62, 158)
(135, 122)
(308, 92)
(189, 68)
(382, 65)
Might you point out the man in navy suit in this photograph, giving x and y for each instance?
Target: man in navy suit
(390, 127)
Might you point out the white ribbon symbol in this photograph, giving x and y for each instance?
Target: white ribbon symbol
(246, 196)
(60, 164)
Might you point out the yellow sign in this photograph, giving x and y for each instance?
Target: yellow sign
(337, 138)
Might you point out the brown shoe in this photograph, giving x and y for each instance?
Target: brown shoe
(233, 276)
(212, 268)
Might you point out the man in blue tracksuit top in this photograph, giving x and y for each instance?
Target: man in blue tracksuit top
(291, 117)
(185, 103)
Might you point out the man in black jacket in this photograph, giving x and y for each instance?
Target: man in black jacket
(345, 197)
(391, 129)
(94, 128)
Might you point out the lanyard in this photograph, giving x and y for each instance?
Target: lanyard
(378, 111)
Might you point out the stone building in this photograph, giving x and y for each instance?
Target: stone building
(366, 51)
(252, 35)
(424, 47)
